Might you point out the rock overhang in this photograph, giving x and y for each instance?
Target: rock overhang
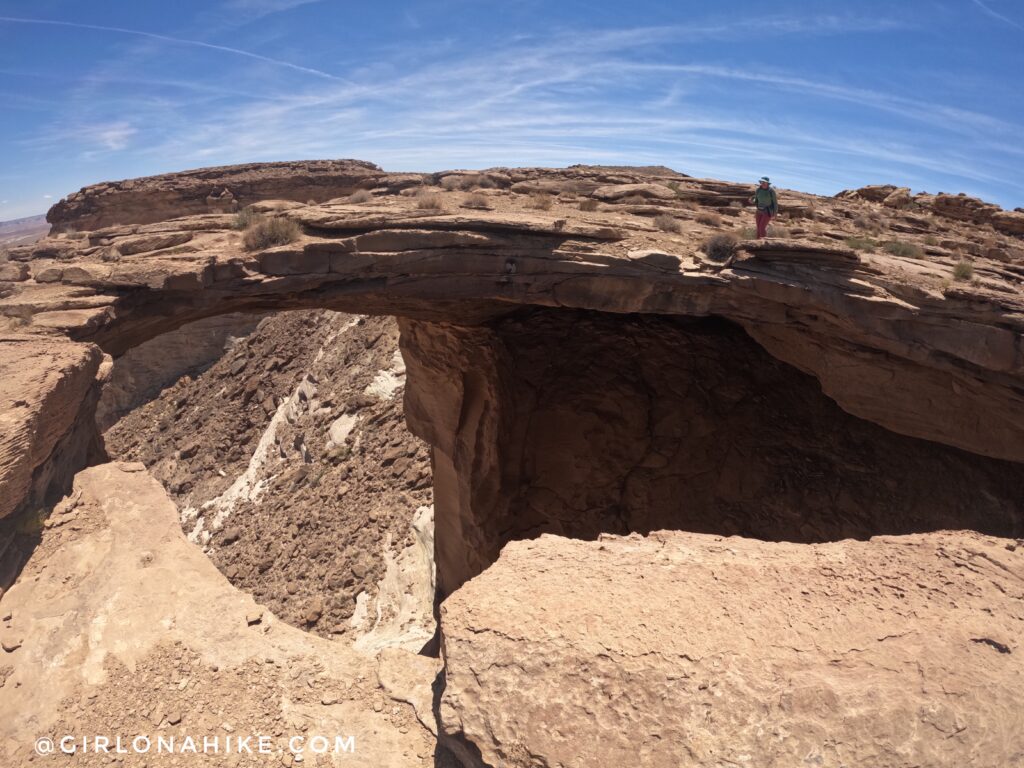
(888, 339)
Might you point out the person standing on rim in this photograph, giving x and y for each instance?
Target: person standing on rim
(767, 203)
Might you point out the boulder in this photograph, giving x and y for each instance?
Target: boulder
(1009, 222)
(13, 272)
(687, 649)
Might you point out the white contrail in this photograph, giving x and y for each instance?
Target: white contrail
(996, 15)
(178, 40)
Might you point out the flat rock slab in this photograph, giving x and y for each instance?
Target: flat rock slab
(800, 251)
(696, 650)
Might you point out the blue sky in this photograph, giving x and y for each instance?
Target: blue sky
(819, 95)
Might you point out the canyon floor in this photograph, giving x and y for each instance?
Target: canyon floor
(516, 467)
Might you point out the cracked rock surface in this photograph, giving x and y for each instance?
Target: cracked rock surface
(697, 650)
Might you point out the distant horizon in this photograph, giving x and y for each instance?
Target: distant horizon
(822, 99)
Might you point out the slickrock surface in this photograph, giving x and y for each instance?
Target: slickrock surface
(119, 626)
(290, 461)
(686, 649)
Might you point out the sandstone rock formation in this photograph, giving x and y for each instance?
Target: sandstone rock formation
(891, 335)
(580, 360)
(579, 423)
(120, 626)
(48, 393)
(683, 649)
(221, 190)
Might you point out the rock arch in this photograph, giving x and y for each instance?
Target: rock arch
(886, 340)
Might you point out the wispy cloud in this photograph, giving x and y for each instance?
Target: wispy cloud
(630, 95)
(996, 15)
(176, 41)
(259, 8)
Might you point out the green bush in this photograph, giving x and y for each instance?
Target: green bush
(266, 233)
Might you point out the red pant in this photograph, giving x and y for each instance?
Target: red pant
(763, 217)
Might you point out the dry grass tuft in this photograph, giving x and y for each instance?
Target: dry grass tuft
(904, 249)
(540, 201)
(861, 243)
(963, 270)
(667, 223)
(266, 233)
(360, 196)
(871, 222)
(476, 200)
(246, 217)
(709, 218)
(588, 204)
(429, 201)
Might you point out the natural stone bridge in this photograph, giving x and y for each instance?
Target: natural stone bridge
(532, 329)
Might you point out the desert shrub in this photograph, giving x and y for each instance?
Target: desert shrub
(720, 247)
(871, 222)
(931, 240)
(777, 231)
(360, 196)
(748, 233)
(635, 200)
(904, 249)
(666, 223)
(588, 204)
(267, 233)
(451, 183)
(469, 183)
(860, 243)
(963, 270)
(246, 217)
(476, 200)
(709, 218)
(429, 201)
(735, 204)
(311, 201)
(540, 201)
